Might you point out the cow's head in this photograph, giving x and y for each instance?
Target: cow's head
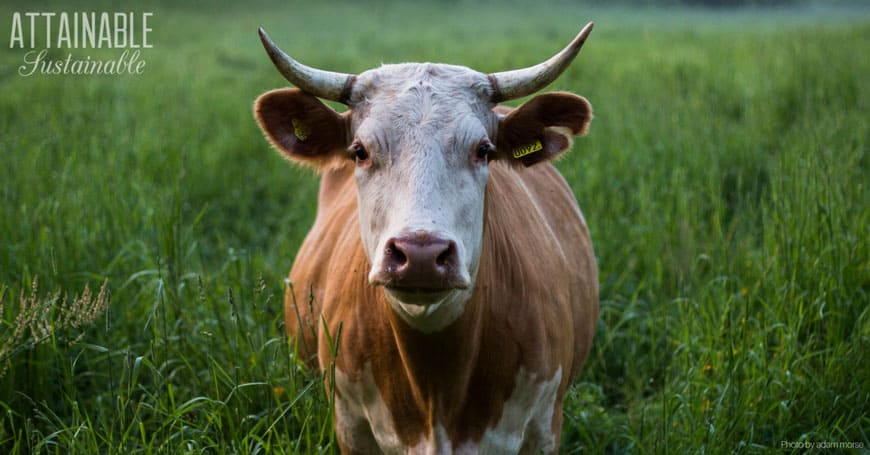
(422, 137)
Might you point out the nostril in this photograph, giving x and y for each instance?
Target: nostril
(394, 254)
(447, 257)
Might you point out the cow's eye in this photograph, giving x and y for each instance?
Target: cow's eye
(483, 150)
(359, 152)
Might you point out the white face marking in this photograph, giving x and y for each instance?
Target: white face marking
(421, 125)
(364, 422)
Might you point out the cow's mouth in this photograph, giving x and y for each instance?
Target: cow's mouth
(418, 295)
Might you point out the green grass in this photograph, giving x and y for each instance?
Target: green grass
(725, 182)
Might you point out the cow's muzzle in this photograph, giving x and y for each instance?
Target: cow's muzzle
(420, 263)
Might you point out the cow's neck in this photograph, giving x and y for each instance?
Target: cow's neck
(441, 363)
(457, 378)
(439, 360)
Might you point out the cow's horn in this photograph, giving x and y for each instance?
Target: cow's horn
(324, 84)
(508, 85)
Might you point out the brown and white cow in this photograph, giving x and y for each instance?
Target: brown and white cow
(448, 256)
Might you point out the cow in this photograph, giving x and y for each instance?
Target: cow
(448, 285)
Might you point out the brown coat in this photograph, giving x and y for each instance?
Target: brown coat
(534, 307)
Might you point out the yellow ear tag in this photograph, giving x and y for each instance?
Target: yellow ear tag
(520, 152)
(299, 130)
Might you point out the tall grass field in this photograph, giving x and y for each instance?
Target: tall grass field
(146, 226)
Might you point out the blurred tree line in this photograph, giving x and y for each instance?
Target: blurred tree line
(713, 3)
(736, 3)
(730, 3)
(723, 4)
(196, 5)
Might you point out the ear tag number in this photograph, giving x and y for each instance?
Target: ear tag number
(299, 130)
(520, 152)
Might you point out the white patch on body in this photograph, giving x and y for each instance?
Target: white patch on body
(362, 420)
(526, 424)
(364, 423)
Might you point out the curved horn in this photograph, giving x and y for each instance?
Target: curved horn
(320, 83)
(508, 85)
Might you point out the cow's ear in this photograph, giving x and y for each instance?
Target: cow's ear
(303, 128)
(542, 128)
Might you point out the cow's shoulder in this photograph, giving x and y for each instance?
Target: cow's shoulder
(538, 268)
(326, 250)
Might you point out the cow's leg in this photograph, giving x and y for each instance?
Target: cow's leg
(354, 435)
